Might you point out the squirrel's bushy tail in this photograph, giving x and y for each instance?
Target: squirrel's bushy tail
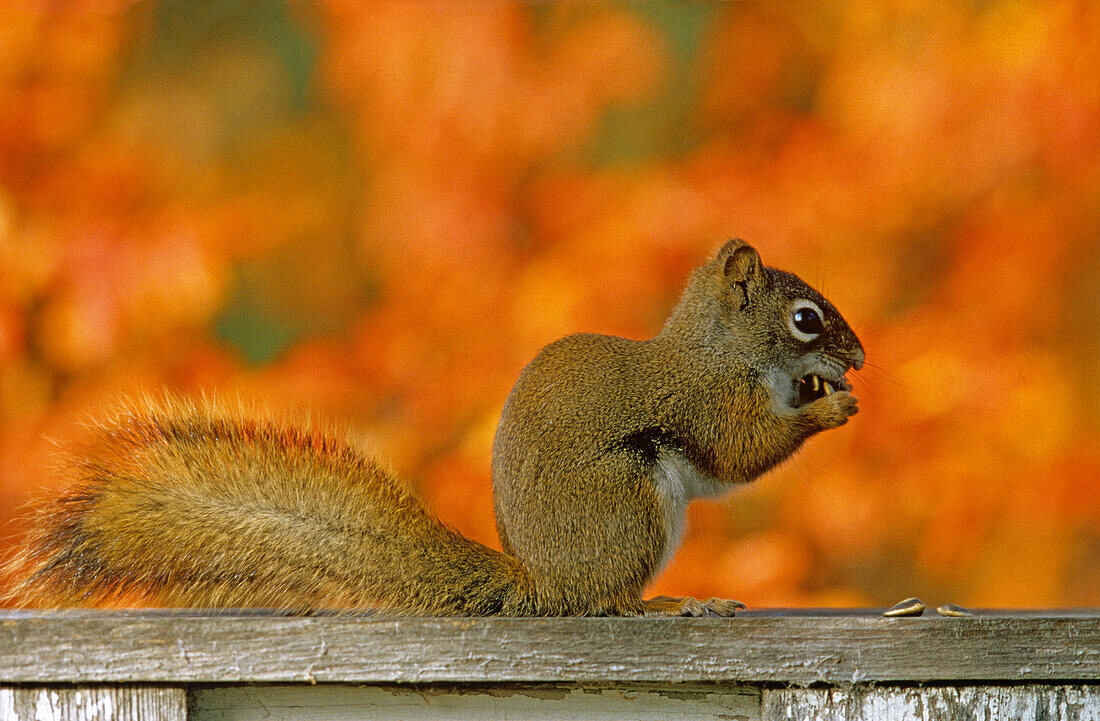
(188, 505)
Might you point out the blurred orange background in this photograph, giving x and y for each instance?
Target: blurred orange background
(379, 212)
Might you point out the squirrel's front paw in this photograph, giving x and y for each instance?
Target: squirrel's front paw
(834, 409)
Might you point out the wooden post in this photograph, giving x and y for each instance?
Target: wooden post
(975, 703)
(93, 703)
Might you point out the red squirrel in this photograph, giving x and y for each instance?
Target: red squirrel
(602, 444)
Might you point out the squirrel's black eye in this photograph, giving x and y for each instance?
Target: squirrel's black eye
(806, 322)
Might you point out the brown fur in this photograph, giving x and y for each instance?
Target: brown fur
(198, 507)
(588, 419)
(191, 505)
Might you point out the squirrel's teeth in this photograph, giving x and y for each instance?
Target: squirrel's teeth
(828, 388)
(816, 383)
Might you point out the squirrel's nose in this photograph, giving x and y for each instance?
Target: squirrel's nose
(857, 358)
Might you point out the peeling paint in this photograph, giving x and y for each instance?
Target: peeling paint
(99, 707)
(7, 705)
(979, 702)
(45, 709)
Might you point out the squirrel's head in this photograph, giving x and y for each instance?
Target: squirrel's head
(773, 321)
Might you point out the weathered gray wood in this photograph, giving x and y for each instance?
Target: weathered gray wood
(974, 703)
(93, 703)
(88, 647)
(451, 703)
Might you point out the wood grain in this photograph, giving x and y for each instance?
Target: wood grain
(984, 703)
(90, 647)
(96, 703)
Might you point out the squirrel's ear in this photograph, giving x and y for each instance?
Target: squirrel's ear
(740, 262)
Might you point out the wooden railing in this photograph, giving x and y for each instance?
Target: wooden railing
(117, 666)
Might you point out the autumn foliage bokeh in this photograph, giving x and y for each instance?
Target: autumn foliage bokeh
(378, 212)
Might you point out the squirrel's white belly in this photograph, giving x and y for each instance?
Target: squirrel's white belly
(678, 482)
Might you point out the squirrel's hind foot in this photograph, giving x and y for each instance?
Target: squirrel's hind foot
(674, 606)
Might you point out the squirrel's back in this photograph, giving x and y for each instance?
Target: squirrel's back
(190, 505)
